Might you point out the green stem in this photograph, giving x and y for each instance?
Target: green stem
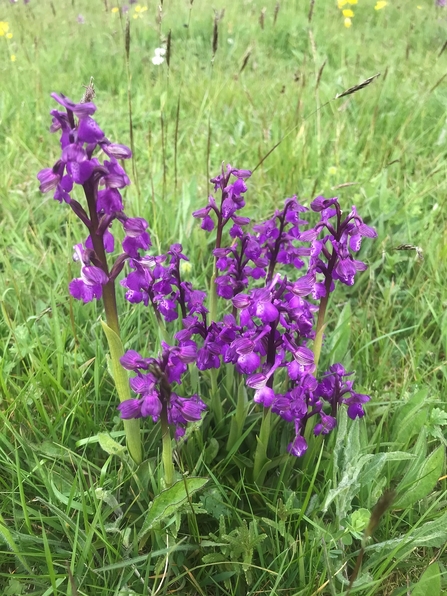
(121, 379)
(166, 448)
(213, 299)
(215, 402)
(112, 328)
(318, 342)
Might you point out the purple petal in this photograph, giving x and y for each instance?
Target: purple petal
(132, 360)
(48, 179)
(151, 406)
(89, 131)
(116, 150)
(79, 109)
(264, 396)
(298, 446)
(130, 408)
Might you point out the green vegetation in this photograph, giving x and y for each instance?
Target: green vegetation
(75, 514)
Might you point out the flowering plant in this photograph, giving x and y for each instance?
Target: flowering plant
(263, 318)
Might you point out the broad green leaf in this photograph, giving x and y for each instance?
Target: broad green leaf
(111, 446)
(432, 533)
(410, 418)
(120, 375)
(372, 471)
(410, 490)
(430, 582)
(15, 588)
(169, 501)
(347, 467)
(420, 455)
(347, 487)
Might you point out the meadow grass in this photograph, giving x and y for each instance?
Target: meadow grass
(71, 511)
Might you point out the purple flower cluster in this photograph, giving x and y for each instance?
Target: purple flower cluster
(153, 282)
(80, 138)
(153, 385)
(273, 278)
(231, 201)
(331, 256)
(267, 335)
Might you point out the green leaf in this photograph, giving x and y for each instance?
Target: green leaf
(6, 536)
(432, 534)
(70, 502)
(341, 335)
(15, 588)
(169, 501)
(120, 375)
(410, 418)
(262, 442)
(111, 446)
(430, 582)
(411, 490)
(372, 471)
(214, 558)
(121, 379)
(239, 416)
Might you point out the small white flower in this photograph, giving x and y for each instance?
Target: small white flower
(158, 56)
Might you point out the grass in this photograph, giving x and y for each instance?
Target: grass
(72, 508)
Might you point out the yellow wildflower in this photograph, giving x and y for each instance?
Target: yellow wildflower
(115, 9)
(341, 3)
(332, 171)
(380, 4)
(4, 28)
(13, 57)
(8, 35)
(352, 1)
(348, 13)
(138, 14)
(348, 22)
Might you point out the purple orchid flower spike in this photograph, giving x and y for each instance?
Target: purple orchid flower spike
(80, 138)
(153, 385)
(231, 201)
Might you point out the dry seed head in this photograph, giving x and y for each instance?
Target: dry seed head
(320, 72)
(127, 38)
(417, 249)
(168, 48)
(89, 93)
(356, 88)
(311, 10)
(275, 13)
(215, 32)
(245, 60)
